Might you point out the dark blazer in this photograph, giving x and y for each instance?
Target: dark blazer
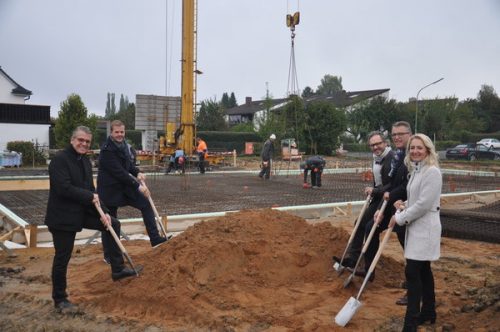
(114, 184)
(71, 191)
(397, 189)
(267, 150)
(379, 191)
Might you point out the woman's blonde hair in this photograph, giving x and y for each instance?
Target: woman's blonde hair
(432, 158)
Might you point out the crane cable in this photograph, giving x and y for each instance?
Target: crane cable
(293, 89)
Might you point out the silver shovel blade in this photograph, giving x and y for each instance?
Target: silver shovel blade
(349, 309)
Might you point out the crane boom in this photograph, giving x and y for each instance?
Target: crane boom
(188, 104)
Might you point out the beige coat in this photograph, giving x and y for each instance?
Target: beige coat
(421, 215)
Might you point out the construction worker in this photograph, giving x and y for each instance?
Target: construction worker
(202, 151)
(267, 156)
(176, 161)
(315, 164)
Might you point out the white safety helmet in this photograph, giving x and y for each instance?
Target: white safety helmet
(273, 137)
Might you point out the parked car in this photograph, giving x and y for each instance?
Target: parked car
(471, 151)
(490, 142)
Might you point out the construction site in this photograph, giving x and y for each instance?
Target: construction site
(246, 253)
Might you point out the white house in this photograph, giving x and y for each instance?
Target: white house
(20, 121)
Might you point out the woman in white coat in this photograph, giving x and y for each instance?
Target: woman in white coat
(420, 214)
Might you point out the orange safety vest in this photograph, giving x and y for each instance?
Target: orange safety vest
(202, 147)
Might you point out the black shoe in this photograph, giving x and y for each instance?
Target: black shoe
(107, 260)
(403, 300)
(66, 307)
(424, 318)
(347, 262)
(363, 275)
(125, 273)
(160, 240)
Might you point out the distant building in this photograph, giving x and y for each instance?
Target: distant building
(253, 111)
(19, 121)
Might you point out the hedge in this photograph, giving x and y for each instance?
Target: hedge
(29, 151)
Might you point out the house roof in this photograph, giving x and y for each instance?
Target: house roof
(344, 98)
(340, 99)
(251, 107)
(18, 90)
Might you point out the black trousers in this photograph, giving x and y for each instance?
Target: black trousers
(266, 170)
(64, 242)
(372, 249)
(357, 242)
(148, 216)
(421, 295)
(201, 163)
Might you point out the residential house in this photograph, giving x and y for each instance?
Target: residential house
(18, 120)
(253, 111)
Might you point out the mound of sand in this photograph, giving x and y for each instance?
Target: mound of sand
(247, 270)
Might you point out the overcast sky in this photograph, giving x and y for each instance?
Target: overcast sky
(91, 47)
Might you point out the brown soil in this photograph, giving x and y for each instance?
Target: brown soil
(259, 270)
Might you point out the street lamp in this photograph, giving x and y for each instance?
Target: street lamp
(418, 93)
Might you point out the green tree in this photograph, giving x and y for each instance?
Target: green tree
(210, 116)
(246, 127)
(232, 101)
(123, 103)
(435, 115)
(375, 114)
(330, 85)
(462, 122)
(224, 102)
(73, 113)
(110, 106)
(307, 92)
(323, 124)
(489, 108)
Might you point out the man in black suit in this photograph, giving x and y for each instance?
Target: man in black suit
(116, 186)
(70, 208)
(382, 157)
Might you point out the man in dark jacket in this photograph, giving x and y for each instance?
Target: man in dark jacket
(401, 133)
(267, 156)
(381, 166)
(315, 165)
(116, 185)
(70, 208)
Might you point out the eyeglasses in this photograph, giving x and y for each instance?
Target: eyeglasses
(399, 134)
(83, 140)
(376, 144)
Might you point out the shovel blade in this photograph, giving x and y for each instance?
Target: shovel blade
(339, 268)
(347, 282)
(349, 309)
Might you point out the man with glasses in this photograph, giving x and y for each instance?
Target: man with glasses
(381, 166)
(398, 174)
(71, 208)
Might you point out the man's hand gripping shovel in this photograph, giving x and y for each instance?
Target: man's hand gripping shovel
(338, 265)
(117, 240)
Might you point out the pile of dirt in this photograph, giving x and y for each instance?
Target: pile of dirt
(249, 270)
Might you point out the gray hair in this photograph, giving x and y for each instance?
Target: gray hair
(402, 124)
(375, 133)
(84, 129)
